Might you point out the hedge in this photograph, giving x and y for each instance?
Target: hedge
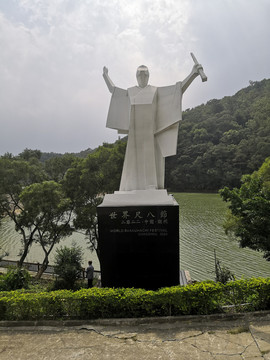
(198, 298)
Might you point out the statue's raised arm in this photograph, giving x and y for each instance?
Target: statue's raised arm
(196, 70)
(199, 68)
(107, 79)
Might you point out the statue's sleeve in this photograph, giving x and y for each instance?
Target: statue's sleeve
(118, 115)
(169, 113)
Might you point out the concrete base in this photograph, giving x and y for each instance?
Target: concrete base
(139, 239)
(138, 197)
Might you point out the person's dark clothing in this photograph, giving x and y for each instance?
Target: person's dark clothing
(90, 275)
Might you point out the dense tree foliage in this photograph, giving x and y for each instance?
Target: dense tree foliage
(222, 140)
(88, 180)
(29, 154)
(47, 210)
(15, 175)
(49, 200)
(56, 167)
(40, 210)
(249, 216)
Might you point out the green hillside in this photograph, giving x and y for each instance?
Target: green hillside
(221, 140)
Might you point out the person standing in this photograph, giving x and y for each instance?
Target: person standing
(90, 274)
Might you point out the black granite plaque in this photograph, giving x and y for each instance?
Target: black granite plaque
(139, 246)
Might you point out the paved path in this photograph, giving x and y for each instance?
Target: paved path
(246, 336)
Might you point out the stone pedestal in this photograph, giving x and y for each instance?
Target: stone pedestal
(139, 239)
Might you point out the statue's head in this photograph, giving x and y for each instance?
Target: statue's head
(142, 76)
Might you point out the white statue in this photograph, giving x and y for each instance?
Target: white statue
(150, 116)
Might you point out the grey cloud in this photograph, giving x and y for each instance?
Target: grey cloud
(52, 94)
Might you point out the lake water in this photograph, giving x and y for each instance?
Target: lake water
(201, 232)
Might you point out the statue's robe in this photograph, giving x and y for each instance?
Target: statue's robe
(150, 116)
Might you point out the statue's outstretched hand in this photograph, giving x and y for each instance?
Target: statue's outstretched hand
(196, 68)
(105, 70)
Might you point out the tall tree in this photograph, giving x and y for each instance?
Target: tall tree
(47, 210)
(16, 174)
(249, 205)
(56, 167)
(88, 181)
(29, 154)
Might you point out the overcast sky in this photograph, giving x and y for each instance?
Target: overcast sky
(52, 52)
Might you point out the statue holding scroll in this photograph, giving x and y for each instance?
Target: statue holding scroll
(150, 116)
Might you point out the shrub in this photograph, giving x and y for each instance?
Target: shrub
(68, 266)
(15, 278)
(253, 293)
(199, 298)
(223, 274)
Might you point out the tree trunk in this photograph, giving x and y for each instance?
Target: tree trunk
(26, 244)
(46, 259)
(43, 267)
(24, 254)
